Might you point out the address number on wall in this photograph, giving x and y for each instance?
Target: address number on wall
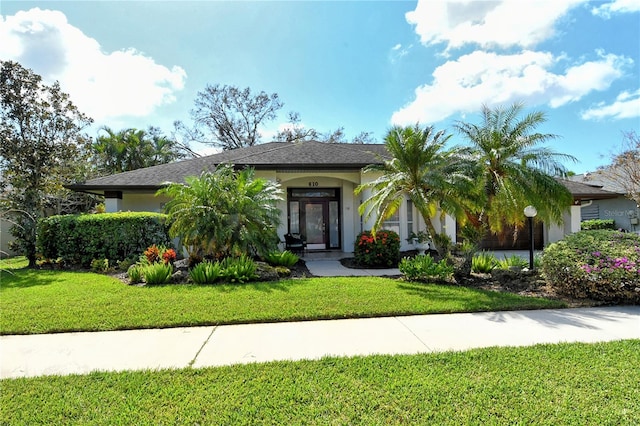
(313, 184)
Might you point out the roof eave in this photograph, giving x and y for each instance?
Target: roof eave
(80, 187)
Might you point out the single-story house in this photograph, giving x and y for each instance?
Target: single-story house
(624, 211)
(318, 181)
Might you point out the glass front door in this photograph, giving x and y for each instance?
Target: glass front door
(316, 215)
(315, 225)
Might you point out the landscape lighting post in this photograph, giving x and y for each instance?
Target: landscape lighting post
(530, 212)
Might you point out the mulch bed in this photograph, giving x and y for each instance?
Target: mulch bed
(524, 283)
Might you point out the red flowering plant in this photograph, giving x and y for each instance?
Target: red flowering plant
(152, 254)
(169, 256)
(383, 250)
(155, 254)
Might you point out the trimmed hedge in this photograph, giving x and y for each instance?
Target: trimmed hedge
(601, 265)
(78, 239)
(592, 224)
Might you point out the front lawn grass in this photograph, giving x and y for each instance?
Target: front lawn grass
(45, 301)
(564, 384)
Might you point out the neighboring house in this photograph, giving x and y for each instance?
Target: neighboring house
(318, 181)
(621, 209)
(5, 238)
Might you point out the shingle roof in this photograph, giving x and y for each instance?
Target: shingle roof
(583, 191)
(274, 155)
(278, 156)
(604, 178)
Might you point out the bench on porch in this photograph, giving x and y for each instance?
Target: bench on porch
(295, 243)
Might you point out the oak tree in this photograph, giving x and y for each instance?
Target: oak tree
(41, 142)
(228, 117)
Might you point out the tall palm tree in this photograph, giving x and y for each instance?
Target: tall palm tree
(224, 213)
(131, 149)
(422, 170)
(513, 170)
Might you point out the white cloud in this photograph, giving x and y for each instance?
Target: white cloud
(627, 105)
(398, 51)
(488, 78)
(501, 23)
(617, 6)
(102, 84)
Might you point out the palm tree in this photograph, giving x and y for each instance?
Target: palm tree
(513, 170)
(131, 149)
(422, 170)
(224, 213)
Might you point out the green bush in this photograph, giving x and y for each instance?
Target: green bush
(206, 272)
(238, 269)
(513, 261)
(602, 265)
(484, 262)
(423, 268)
(78, 239)
(592, 224)
(157, 273)
(135, 274)
(100, 265)
(383, 250)
(284, 258)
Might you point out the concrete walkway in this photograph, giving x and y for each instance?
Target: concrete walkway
(81, 353)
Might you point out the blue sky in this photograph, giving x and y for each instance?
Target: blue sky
(359, 65)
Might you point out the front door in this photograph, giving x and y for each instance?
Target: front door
(316, 215)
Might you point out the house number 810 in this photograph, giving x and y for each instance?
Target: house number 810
(313, 183)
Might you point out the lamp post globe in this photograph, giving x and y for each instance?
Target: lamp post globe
(530, 212)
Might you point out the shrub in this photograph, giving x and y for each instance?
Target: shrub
(124, 264)
(78, 239)
(238, 269)
(152, 254)
(206, 272)
(100, 265)
(284, 258)
(602, 265)
(383, 250)
(169, 256)
(157, 273)
(444, 244)
(423, 268)
(597, 224)
(513, 261)
(483, 262)
(135, 274)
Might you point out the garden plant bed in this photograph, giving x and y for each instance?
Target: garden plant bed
(523, 283)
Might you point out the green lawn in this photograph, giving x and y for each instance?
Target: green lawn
(44, 301)
(565, 384)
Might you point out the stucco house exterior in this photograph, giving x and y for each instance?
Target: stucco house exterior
(624, 211)
(318, 181)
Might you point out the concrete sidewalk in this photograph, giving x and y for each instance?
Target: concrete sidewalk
(81, 353)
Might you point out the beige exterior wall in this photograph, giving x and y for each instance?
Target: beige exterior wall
(142, 202)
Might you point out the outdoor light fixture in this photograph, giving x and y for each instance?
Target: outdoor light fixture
(530, 212)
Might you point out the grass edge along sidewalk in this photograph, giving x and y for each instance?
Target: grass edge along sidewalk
(545, 384)
(46, 301)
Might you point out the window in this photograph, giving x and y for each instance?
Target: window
(393, 223)
(313, 193)
(294, 217)
(409, 217)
